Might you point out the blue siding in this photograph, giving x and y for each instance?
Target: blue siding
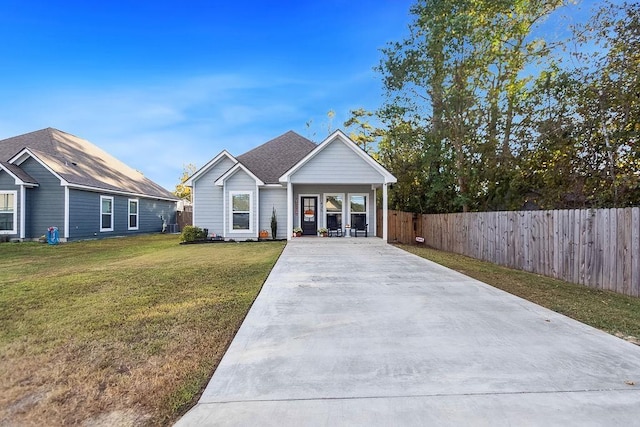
(84, 215)
(45, 203)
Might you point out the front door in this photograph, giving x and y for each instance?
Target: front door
(309, 216)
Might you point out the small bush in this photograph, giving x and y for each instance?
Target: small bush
(191, 234)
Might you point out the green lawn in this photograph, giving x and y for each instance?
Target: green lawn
(609, 311)
(119, 331)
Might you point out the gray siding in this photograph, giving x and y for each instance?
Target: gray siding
(7, 183)
(320, 190)
(337, 164)
(240, 181)
(208, 198)
(273, 198)
(84, 215)
(45, 203)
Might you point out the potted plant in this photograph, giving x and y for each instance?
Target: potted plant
(323, 231)
(274, 224)
(297, 231)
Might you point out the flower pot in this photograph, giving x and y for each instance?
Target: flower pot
(264, 234)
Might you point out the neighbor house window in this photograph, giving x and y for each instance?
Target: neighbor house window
(133, 214)
(106, 213)
(8, 212)
(241, 211)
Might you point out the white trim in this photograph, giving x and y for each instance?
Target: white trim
(136, 214)
(66, 213)
(102, 213)
(17, 181)
(231, 212)
(366, 207)
(257, 208)
(14, 193)
(340, 136)
(318, 201)
(120, 192)
(375, 212)
(224, 153)
(324, 207)
(19, 158)
(228, 174)
(23, 218)
(290, 212)
(385, 213)
(193, 205)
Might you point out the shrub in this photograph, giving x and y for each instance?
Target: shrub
(191, 234)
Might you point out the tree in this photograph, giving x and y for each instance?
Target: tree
(460, 75)
(362, 132)
(182, 191)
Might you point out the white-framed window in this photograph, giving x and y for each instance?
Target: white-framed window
(8, 212)
(133, 213)
(358, 211)
(240, 212)
(106, 213)
(334, 208)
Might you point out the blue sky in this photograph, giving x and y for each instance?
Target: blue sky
(160, 84)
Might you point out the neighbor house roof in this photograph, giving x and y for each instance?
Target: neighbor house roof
(18, 173)
(80, 163)
(273, 158)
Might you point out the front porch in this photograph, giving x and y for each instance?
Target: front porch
(340, 210)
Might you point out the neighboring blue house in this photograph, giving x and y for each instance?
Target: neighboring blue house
(330, 185)
(50, 178)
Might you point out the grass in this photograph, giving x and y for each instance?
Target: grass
(119, 331)
(614, 313)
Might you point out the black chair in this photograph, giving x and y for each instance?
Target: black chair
(333, 228)
(358, 224)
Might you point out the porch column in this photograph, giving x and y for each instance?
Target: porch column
(385, 213)
(23, 213)
(289, 210)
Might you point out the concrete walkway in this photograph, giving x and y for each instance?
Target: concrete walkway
(357, 332)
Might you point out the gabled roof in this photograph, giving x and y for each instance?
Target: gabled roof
(18, 174)
(273, 158)
(209, 165)
(235, 168)
(79, 163)
(339, 136)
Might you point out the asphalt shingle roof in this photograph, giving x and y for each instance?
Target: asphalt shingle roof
(22, 175)
(80, 162)
(272, 159)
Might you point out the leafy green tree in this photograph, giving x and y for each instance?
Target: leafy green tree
(362, 132)
(460, 75)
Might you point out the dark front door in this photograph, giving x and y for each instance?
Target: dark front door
(309, 216)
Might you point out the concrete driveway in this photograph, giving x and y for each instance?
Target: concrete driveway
(356, 332)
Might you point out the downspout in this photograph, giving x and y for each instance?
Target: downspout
(22, 212)
(66, 213)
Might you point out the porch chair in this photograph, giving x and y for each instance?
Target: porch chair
(358, 225)
(332, 226)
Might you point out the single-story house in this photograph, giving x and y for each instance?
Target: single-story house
(333, 184)
(49, 178)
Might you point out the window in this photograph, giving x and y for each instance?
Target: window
(106, 213)
(241, 217)
(358, 209)
(333, 205)
(133, 214)
(8, 212)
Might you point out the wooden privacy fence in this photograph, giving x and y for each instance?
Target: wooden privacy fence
(599, 248)
(184, 218)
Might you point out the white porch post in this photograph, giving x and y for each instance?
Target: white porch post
(375, 212)
(385, 213)
(289, 210)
